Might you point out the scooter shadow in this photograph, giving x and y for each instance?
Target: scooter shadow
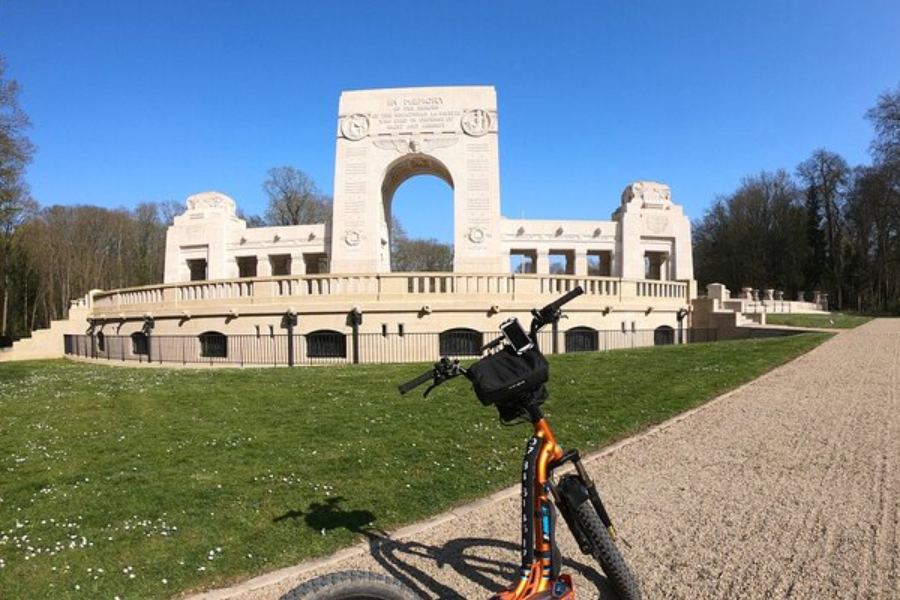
(488, 563)
(476, 559)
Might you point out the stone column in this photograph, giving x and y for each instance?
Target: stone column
(298, 265)
(542, 266)
(581, 263)
(801, 296)
(263, 266)
(769, 294)
(747, 293)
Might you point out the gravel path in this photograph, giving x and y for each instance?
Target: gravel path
(786, 488)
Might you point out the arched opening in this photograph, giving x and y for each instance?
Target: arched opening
(582, 339)
(417, 206)
(139, 344)
(326, 343)
(461, 342)
(213, 345)
(663, 336)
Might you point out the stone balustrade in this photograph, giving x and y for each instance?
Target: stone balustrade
(395, 287)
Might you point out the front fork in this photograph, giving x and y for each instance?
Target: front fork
(574, 490)
(540, 576)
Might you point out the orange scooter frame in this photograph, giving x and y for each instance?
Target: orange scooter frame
(540, 576)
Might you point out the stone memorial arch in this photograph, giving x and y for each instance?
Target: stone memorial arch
(385, 137)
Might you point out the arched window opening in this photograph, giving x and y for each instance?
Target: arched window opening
(326, 343)
(101, 342)
(139, 344)
(582, 339)
(213, 345)
(461, 342)
(663, 336)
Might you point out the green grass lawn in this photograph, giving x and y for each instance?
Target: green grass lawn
(827, 321)
(145, 483)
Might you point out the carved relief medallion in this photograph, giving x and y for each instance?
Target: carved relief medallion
(476, 122)
(476, 235)
(355, 127)
(352, 237)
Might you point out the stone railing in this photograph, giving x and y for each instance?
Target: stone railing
(397, 287)
(755, 301)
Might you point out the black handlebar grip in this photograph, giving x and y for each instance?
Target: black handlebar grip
(423, 378)
(558, 303)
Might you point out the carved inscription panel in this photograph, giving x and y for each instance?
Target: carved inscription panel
(432, 114)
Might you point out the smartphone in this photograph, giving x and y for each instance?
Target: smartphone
(517, 337)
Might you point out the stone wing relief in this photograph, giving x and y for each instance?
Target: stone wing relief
(415, 145)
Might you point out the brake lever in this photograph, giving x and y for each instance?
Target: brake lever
(444, 370)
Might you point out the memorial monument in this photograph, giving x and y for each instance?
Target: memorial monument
(231, 291)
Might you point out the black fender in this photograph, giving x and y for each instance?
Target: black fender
(569, 494)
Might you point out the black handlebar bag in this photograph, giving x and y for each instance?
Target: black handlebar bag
(504, 377)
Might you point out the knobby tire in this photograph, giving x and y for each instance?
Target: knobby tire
(351, 585)
(604, 549)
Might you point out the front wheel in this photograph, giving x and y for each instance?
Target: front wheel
(607, 554)
(351, 585)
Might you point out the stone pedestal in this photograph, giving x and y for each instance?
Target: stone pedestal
(717, 291)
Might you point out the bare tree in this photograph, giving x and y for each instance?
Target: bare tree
(422, 255)
(418, 255)
(885, 116)
(16, 151)
(294, 198)
(753, 237)
(826, 176)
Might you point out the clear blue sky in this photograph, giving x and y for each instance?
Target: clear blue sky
(135, 101)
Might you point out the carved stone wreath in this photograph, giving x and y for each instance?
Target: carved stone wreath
(352, 237)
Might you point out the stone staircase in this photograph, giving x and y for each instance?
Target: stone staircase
(50, 342)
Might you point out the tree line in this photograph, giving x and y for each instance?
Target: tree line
(826, 226)
(50, 256)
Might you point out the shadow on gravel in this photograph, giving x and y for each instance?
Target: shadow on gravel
(473, 558)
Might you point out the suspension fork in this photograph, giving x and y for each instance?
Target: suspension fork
(589, 488)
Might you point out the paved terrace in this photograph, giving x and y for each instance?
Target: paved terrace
(788, 487)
